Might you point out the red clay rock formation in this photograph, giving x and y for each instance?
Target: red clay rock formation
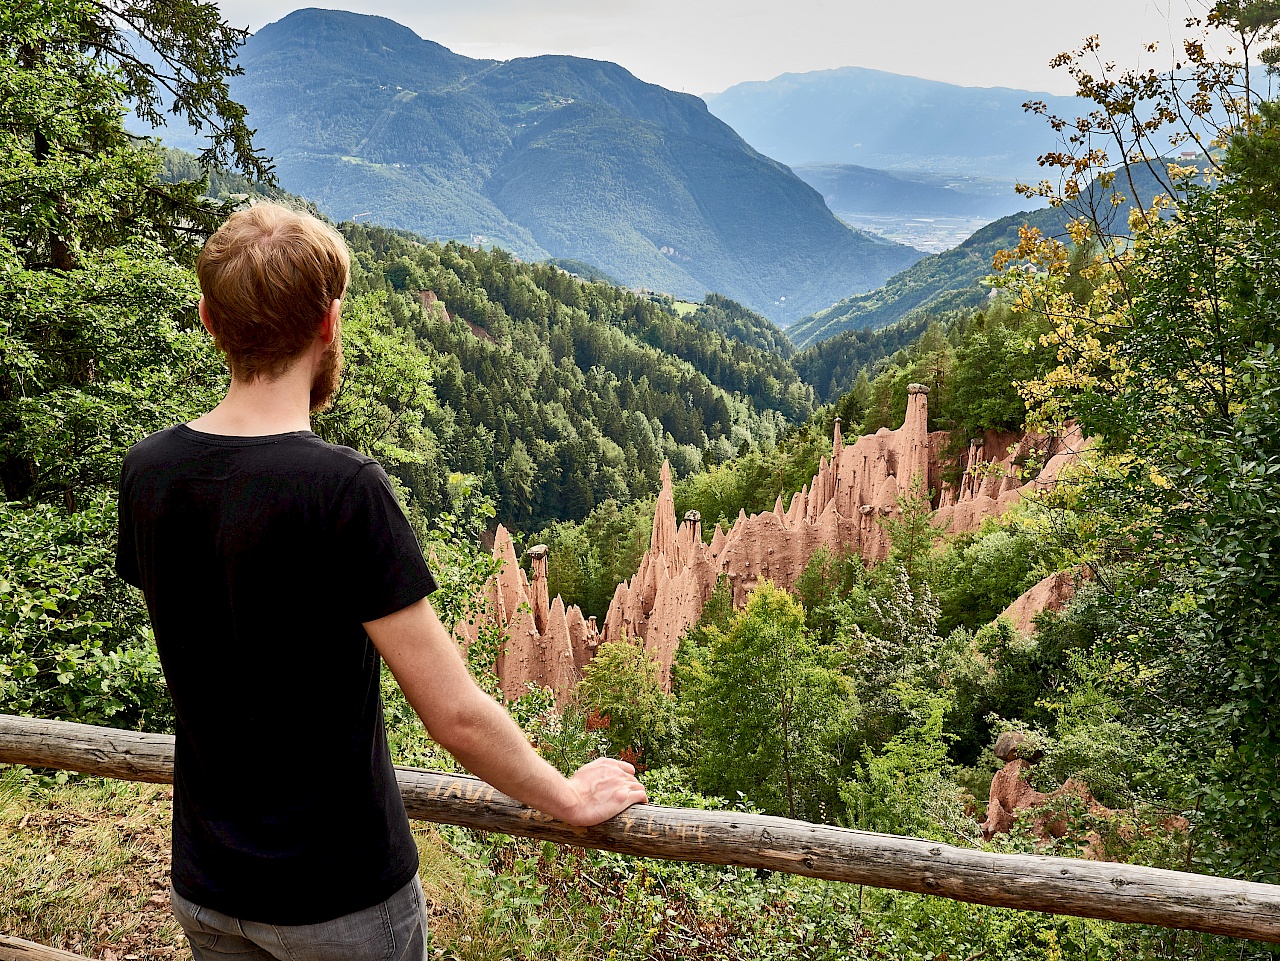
(1051, 594)
(839, 509)
(1010, 793)
(547, 644)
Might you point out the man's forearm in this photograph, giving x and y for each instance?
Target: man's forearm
(489, 744)
(481, 735)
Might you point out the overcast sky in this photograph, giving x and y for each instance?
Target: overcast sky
(705, 46)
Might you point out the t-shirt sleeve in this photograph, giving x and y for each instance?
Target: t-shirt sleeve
(126, 540)
(382, 564)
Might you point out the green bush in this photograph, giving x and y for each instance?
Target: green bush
(76, 643)
(620, 688)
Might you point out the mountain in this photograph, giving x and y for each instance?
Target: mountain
(929, 211)
(884, 120)
(946, 281)
(951, 280)
(548, 157)
(850, 190)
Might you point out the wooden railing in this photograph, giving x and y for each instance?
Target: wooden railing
(1071, 886)
(19, 949)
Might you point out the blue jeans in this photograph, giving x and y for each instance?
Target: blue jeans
(395, 930)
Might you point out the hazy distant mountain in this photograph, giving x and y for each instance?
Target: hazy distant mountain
(850, 189)
(546, 157)
(876, 119)
(951, 280)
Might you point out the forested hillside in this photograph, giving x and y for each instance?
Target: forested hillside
(736, 322)
(835, 364)
(553, 394)
(869, 697)
(551, 368)
(940, 282)
(544, 157)
(951, 280)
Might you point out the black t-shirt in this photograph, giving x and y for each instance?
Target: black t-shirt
(260, 557)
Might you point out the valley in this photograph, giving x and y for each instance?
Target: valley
(769, 443)
(926, 210)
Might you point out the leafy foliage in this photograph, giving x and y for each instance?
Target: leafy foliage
(75, 642)
(767, 712)
(74, 180)
(1171, 364)
(92, 359)
(620, 688)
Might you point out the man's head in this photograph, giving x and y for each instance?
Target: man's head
(270, 277)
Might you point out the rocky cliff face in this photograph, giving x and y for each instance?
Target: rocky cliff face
(840, 509)
(1053, 593)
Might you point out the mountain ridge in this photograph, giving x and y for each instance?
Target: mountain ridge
(878, 119)
(547, 157)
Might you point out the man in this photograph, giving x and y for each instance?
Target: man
(277, 569)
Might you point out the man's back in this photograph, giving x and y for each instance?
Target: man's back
(278, 569)
(260, 558)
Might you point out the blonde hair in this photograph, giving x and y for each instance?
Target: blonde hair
(268, 276)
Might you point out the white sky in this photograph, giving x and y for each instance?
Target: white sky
(705, 46)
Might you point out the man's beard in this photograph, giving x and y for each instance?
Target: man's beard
(328, 377)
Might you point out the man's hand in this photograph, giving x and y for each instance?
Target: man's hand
(604, 787)
(477, 730)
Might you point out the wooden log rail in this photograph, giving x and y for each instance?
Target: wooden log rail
(19, 949)
(1071, 886)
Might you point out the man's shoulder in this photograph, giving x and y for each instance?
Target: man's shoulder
(153, 447)
(301, 450)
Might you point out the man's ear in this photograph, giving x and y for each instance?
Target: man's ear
(204, 316)
(329, 326)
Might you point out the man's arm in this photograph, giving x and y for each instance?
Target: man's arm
(476, 730)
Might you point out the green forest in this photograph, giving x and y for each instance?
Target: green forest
(500, 391)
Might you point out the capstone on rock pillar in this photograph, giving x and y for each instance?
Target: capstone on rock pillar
(692, 537)
(538, 588)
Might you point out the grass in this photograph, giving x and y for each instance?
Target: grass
(85, 868)
(684, 308)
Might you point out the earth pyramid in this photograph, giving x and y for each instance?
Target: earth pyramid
(549, 642)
